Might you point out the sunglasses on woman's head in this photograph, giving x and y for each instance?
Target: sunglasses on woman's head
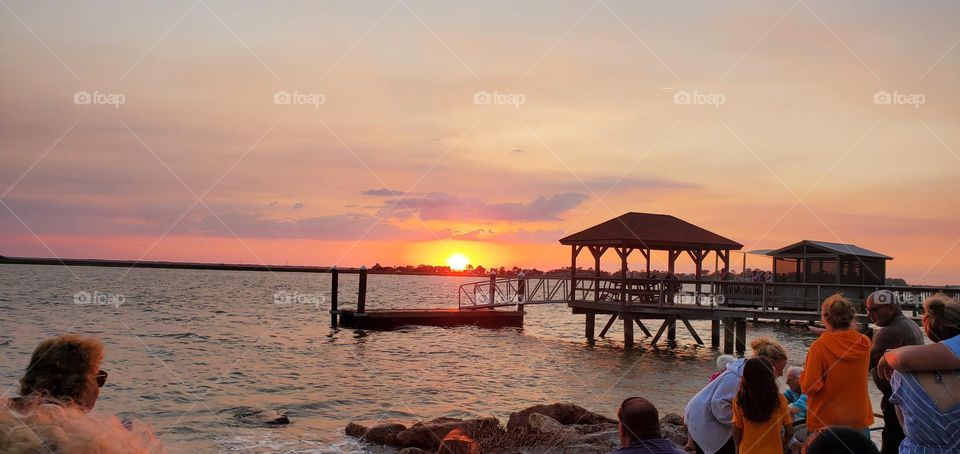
(101, 378)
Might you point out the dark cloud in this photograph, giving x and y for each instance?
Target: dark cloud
(443, 206)
(382, 192)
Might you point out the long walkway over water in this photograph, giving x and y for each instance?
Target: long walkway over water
(669, 302)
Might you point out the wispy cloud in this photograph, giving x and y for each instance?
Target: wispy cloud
(382, 192)
(443, 206)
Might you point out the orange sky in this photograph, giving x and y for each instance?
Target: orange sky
(767, 122)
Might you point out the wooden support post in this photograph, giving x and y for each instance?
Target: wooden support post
(574, 251)
(728, 334)
(726, 265)
(642, 328)
(492, 295)
(606, 327)
(627, 329)
(741, 336)
(624, 286)
(334, 294)
(672, 329)
(362, 291)
(715, 333)
(663, 327)
(591, 325)
(596, 252)
(521, 290)
(646, 255)
(693, 332)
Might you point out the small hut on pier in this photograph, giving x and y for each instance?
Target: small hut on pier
(822, 262)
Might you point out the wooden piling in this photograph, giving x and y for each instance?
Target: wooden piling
(715, 333)
(362, 291)
(627, 329)
(741, 325)
(728, 334)
(521, 291)
(334, 293)
(590, 325)
(493, 287)
(671, 330)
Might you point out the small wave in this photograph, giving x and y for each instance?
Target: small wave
(181, 335)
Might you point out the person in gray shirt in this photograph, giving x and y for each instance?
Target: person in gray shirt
(894, 331)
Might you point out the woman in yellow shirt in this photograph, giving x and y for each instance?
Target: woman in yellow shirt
(760, 411)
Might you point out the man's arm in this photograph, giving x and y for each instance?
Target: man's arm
(917, 358)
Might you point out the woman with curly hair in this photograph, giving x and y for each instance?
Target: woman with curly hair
(835, 376)
(53, 413)
(66, 369)
(760, 411)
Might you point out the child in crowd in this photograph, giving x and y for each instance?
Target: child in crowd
(760, 411)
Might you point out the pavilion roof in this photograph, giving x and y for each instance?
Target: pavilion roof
(648, 230)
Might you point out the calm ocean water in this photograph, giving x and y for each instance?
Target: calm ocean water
(185, 349)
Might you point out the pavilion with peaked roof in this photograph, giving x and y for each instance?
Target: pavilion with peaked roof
(647, 232)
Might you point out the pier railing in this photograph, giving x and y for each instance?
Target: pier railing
(767, 296)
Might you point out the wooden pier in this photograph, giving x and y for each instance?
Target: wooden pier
(668, 301)
(388, 319)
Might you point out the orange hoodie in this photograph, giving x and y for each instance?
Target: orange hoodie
(835, 381)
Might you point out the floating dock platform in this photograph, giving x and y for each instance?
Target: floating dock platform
(387, 319)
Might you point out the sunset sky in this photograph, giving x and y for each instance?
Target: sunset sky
(767, 122)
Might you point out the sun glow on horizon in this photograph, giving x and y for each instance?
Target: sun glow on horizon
(458, 261)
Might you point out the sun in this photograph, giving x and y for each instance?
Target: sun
(458, 261)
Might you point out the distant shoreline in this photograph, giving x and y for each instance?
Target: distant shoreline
(210, 266)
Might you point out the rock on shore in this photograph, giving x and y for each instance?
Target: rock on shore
(555, 428)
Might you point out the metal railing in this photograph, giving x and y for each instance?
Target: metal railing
(544, 289)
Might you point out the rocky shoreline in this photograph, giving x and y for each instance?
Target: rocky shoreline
(554, 428)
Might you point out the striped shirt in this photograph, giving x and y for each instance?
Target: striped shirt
(928, 429)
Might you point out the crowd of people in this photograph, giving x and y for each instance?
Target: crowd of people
(825, 408)
(741, 410)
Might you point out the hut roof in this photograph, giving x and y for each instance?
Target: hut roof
(838, 248)
(647, 230)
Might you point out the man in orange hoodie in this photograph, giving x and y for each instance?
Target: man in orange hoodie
(835, 376)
